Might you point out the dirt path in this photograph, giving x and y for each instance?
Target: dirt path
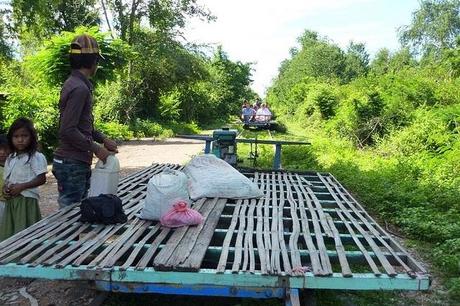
(133, 156)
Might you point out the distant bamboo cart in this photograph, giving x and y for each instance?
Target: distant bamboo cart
(308, 232)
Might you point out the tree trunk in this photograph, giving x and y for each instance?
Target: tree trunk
(107, 18)
(132, 18)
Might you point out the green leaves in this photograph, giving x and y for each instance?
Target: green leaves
(52, 64)
(434, 27)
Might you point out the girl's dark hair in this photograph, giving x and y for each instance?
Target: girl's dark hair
(78, 61)
(29, 126)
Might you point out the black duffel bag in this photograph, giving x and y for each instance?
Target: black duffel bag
(105, 209)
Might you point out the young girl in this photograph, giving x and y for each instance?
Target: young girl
(25, 170)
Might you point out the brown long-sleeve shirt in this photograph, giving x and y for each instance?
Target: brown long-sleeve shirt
(76, 128)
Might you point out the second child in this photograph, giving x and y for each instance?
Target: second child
(25, 170)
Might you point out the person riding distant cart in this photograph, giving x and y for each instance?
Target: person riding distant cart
(247, 113)
(263, 114)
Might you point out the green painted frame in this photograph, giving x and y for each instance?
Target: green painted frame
(359, 281)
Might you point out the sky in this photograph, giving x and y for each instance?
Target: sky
(263, 31)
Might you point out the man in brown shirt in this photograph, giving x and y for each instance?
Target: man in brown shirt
(78, 139)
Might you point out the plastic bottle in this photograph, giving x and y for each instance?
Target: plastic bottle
(105, 177)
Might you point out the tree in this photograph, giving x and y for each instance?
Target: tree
(356, 61)
(5, 48)
(434, 27)
(168, 16)
(44, 18)
(380, 63)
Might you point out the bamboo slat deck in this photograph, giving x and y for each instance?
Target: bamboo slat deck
(307, 226)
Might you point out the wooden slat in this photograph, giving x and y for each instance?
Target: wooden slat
(376, 234)
(145, 260)
(35, 243)
(319, 207)
(50, 243)
(383, 260)
(182, 251)
(363, 250)
(239, 238)
(276, 250)
(261, 248)
(228, 238)
(346, 271)
(252, 261)
(266, 225)
(313, 251)
(284, 252)
(70, 248)
(324, 258)
(139, 247)
(415, 265)
(121, 249)
(64, 243)
(193, 262)
(161, 260)
(294, 237)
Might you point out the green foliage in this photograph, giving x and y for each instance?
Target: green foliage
(434, 27)
(169, 105)
(44, 18)
(145, 128)
(356, 61)
(5, 48)
(52, 64)
(168, 15)
(115, 130)
(30, 98)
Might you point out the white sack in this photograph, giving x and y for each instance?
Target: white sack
(211, 177)
(163, 190)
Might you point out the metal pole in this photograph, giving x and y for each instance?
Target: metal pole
(277, 159)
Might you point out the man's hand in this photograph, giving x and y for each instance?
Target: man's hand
(110, 145)
(102, 154)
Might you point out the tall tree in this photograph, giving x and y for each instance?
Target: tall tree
(380, 63)
(162, 15)
(43, 18)
(434, 27)
(5, 48)
(356, 61)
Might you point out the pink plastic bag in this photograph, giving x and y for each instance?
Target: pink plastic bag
(181, 215)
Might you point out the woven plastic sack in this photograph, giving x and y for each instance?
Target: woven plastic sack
(163, 190)
(181, 215)
(211, 177)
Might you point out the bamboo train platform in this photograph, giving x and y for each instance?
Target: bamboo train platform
(308, 232)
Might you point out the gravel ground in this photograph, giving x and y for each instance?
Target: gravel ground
(133, 156)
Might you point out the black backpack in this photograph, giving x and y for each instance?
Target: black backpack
(105, 208)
